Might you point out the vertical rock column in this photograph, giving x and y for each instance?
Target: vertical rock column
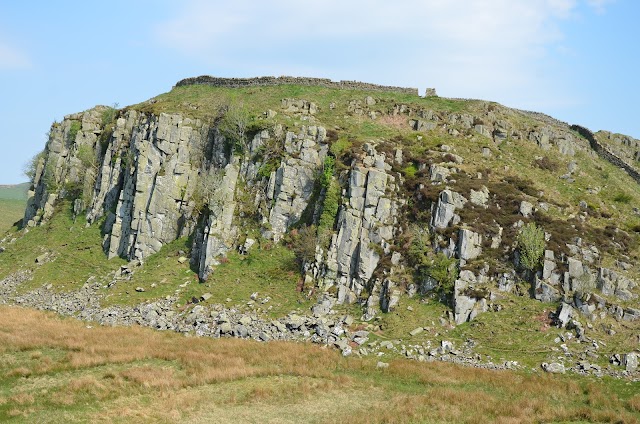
(365, 224)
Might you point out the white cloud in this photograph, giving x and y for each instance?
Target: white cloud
(482, 48)
(12, 58)
(599, 5)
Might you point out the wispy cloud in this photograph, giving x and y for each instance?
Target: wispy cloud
(599, 5)
(467, 48)
(12, 58)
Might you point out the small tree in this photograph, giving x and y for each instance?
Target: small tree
(234, 126)
(303, 244)
(31, 168)
(208, 193)
(445, 271)
(531, 244)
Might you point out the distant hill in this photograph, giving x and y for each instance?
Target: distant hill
(13, 200)
(14, 191)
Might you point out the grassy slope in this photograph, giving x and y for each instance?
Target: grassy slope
(60, 370)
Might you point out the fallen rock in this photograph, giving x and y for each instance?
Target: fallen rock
(416, 331)
(553, 368)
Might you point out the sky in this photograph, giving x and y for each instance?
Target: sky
(576, 60)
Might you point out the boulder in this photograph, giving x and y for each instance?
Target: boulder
(469, 244)
(444, 210)
(630, 361)
(526, 209)
(553, 368)
(565, 313)
(480, 197)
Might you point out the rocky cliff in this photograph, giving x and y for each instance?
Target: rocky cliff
(440, 183)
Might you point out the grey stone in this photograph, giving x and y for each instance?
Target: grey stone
(416, 331)
(630, 361)
(546, 293)
(444, 210)
(479, 198)
(439, 173)
(553, 368)
(565, 313)
(526, 208)
(469, 244)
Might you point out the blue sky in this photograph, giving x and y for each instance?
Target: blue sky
(576, 60)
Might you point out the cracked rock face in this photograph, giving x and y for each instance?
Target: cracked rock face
(365, 225)
(142, 181)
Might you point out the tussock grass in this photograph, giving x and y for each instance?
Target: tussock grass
(138, 375)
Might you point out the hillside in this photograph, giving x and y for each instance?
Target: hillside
(363, 217)
(13, 199)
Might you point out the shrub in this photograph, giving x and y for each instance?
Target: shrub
(303, 244)
(31, 168)
(73, 131)
(339, 146)
(531, 245)
(546, 163)
(234, 126)
(410, 171)
(330, 208)
(444, 270)
(109, 115)
(327, 171)
(622, 198)
(207, 193)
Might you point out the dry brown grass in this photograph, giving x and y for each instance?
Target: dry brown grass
(400, 122)
(138, 375)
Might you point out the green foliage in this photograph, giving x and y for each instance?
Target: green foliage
(410, 170)
(622, 198)
(327, 171)
(329, 211)
(87, 157)
(31, 168)
(339, 146)
(444, 270)
(303, 243)
(49, 177)
(419, 247)
(109, 115)
(439, 267)
(531, 245)
(73, 130)
(267, 168)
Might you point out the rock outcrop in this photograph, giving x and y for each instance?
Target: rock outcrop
(149, 179)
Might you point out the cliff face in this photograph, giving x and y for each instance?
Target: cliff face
(150, 178)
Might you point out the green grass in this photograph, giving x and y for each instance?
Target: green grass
(271, 273)
(11, 211)
(74, 253)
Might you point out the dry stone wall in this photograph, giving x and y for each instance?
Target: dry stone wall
(605, 153)
(272, 81)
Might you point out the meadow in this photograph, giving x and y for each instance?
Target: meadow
(56, 370)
